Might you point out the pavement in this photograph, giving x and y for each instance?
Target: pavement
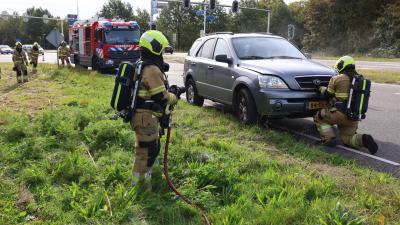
(382, 117)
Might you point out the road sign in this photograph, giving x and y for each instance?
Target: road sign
(25, 19)
(72, 18)
(162, 5)
(45, 18)
(200, 12)
(291, 30)
(54, 37)
(210, 18)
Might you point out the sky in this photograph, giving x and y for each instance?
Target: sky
(87, 8)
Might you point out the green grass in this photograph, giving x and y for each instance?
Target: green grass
(390, 77)
(356, 57)
(238, 174)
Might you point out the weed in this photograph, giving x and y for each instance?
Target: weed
(340, 216)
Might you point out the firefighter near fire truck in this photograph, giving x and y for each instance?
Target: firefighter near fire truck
(33, 55)
(103, 44)
(20, 63)
(348, 95)
(63, 53)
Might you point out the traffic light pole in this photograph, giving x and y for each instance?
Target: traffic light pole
(42, 18)
(268, 11)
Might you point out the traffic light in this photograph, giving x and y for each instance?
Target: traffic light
(235, 6)
(186, 4)
(212, 4)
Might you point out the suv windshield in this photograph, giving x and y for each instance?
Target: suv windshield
(122, 36)
(250, 48)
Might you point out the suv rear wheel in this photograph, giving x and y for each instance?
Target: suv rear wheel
(246, 107)
(191, 94)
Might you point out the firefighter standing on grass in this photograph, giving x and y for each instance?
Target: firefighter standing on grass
(34, 56)
(20, 63)
(152, 100)
(338, 93)
(63, 53)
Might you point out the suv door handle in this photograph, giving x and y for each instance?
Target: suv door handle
(210, 67)
(193, 63)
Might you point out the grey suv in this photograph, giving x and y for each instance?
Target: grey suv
(260, 76)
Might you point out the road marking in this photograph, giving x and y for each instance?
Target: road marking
(340, 146)
(397, 93)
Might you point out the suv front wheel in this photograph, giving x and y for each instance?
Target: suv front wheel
(191, 94)
(245, 107)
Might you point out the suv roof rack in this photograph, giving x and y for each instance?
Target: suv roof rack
(224, 32)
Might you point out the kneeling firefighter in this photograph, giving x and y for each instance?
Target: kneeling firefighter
(153, 98)
(348, 94)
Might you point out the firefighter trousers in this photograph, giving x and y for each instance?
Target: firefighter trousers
(65, 59)
(146, 127)
(21, 69)
(325, 119)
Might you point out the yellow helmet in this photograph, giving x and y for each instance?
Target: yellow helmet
(18, 44)
(154, 41)
(345, 62)
(35, 44)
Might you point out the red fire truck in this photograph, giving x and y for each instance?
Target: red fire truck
(104, 44)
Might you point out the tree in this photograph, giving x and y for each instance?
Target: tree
(35, 29)
(143, 18)
(117, 9)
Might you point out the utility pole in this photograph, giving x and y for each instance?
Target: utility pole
(205, 17)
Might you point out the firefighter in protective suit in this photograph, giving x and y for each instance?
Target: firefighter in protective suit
(153, 98)
(20, 63)
(63, 54)
(338, 93)
(34, 56)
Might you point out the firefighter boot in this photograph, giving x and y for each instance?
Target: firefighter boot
(25, 76)
(369, 142)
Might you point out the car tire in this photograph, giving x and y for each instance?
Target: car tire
(192, 96)
(245, 108)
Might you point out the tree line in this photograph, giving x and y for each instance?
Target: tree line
(334, 27)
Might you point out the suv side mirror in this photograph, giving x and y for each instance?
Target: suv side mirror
(223, 58)
(308, 55)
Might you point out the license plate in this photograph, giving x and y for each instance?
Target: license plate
(317, 104)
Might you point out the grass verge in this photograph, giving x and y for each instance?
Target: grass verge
(239, 174)
(357, 57)
(390, 77)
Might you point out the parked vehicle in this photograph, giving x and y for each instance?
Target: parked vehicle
(5, 49)
(260, 76)
(27, 49)
(104, 44)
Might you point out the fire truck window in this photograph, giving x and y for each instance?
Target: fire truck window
(87, 33)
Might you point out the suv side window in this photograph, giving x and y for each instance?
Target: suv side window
(221, 48)
(194, 47)
(207, 49)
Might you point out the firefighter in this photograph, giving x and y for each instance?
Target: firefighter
(338, 93)
(20, 63)
(152, 100)
(63, 54)
(34, 56)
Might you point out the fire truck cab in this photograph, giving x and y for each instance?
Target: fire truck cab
(104, 44)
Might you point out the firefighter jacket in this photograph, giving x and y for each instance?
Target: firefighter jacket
(19, 58)
(33, 55)
(152, 87)
(63, 51)
(338, 89)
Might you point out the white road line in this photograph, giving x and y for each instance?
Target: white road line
(397, 93)
(341, 146)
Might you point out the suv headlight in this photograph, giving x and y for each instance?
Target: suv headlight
(266, 81)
